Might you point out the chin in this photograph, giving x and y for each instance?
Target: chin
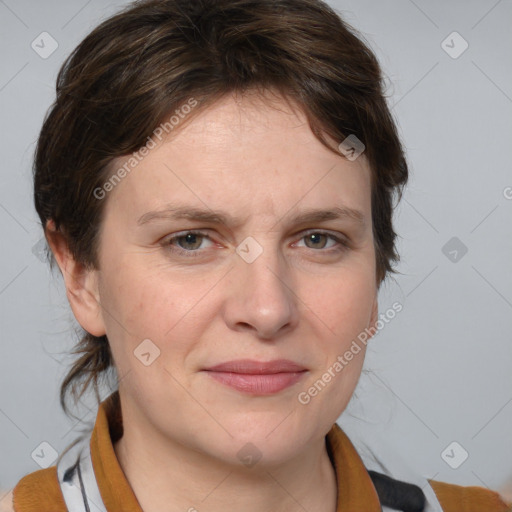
(266, 443)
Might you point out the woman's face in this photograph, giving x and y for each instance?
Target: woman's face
(253, 281)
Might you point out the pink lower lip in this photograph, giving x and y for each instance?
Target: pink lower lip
(262, 384)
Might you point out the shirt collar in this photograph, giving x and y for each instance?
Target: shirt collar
(355, 487)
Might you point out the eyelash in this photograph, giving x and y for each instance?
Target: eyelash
(342, 244)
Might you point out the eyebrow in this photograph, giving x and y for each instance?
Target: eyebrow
(171, 212)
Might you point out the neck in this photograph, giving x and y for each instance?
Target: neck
(168, 477)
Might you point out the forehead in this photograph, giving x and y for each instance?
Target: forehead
(246, 154)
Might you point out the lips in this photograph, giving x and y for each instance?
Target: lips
(252, 367)
(256, 377)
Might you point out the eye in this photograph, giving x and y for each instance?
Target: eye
(321, 239)
(187, 243)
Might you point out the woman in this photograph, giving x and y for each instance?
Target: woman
(216, 184)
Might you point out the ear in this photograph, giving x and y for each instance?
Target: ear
(81, 283)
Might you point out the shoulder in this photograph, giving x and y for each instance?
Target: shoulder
(38, 491)
(457, 498)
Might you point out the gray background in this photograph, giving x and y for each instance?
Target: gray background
(441, 370)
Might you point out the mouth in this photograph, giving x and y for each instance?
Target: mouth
(257, 378)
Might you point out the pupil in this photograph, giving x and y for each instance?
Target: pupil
(190, 239)
(316, 239)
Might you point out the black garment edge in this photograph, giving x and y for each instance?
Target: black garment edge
(398, 495)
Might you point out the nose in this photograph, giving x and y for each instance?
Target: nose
(262, 298)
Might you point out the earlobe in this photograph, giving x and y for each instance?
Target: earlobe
(81, 283)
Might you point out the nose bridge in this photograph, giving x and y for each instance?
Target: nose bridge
(263, 296)
(264, 267)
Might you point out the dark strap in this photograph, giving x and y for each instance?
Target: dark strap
(396, 494)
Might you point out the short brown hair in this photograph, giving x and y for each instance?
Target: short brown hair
(138, 66)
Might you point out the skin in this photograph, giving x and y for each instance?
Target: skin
(256, 159)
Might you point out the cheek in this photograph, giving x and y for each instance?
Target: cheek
(140, 304)
(144, 303)
(342, 385)
(342, 304)
(132, 308)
